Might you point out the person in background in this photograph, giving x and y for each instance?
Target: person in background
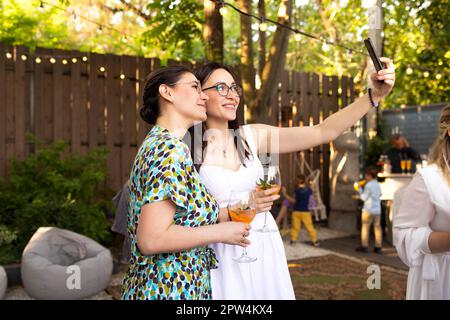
(301, 214)
(422, 224)
(120, 225)
(371, 213)
(399, 151)
(282, 217)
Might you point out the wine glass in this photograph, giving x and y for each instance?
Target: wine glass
(272, 179)
(242, 208)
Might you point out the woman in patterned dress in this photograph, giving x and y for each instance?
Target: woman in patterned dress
(171, 216)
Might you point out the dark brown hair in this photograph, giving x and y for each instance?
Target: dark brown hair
(203, 73)
(371, 171)
(150, 110)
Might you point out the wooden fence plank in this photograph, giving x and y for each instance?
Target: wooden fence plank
(20, 107)
(10, 122)
(2, 110)
(344, 93)
(84, 97)
(95, 71)
(114, 125)
(58, 111)
(76, 103)
(128, 110)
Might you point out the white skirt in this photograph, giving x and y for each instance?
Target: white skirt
(267, 278)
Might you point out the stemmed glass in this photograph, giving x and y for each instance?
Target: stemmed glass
(242, 208)
(272, 179)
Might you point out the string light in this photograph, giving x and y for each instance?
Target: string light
(24, 57)
(263, 25)
(84, 59)
(8, 55)
(64, 61)
(52, 60)
(38, 60)
(41, 7)
(122, 76)
(74, 60)
(409, 70)
(297, 37)
(438, 76)
(223, 10)
(282, 12)
(102, 69)
(426, 74)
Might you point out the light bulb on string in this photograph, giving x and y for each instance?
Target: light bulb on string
(325, 46)
(124, 39)
(38, 60)
(282, 11)
(100, 29)
(409, 70)
(298, 37)
(41, 7)
(122, 76)
(426, 74)
(74, 60)
(84, 59)
(52, 60)
(438, 76)
(9, 55)
(64, 61)
(263, 26)
(223, 10)
(24, 57)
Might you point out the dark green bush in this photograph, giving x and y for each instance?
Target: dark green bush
(54, 188)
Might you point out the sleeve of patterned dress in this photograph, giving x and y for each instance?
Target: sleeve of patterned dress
(411, 224)
(167, 177)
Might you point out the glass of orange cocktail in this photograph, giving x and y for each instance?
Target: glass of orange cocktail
(241, 208)
(408, 166)
(403, 165)
(272, 180)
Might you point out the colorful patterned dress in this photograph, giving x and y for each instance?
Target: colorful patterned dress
(163, 169)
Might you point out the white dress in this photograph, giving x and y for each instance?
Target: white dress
(266, 278)
(425, 207)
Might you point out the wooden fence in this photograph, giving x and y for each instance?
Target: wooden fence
(93, 99)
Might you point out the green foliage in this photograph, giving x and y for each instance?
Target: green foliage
(417, 34)
(52, 188)
(174, 26)
(375, 147)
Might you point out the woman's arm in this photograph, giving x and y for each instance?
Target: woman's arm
(439, 242)
(285, 140)
(156, 232)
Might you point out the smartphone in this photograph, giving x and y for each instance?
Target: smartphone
(376, 61)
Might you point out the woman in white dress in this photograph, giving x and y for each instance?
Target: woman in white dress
(229, 162)
(422, 224)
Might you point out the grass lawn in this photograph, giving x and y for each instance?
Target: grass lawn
(331, 277)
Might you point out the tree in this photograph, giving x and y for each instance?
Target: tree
(213, 32)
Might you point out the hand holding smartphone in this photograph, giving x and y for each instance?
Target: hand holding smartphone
(376, 61)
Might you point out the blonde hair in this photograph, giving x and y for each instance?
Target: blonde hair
(440, 151)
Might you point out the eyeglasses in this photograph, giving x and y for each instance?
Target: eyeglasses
(195, 84)
(223, 89)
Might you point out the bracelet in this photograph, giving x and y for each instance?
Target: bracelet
(372, 103)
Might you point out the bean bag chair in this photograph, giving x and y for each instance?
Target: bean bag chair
(61, 264)
(3, 282)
